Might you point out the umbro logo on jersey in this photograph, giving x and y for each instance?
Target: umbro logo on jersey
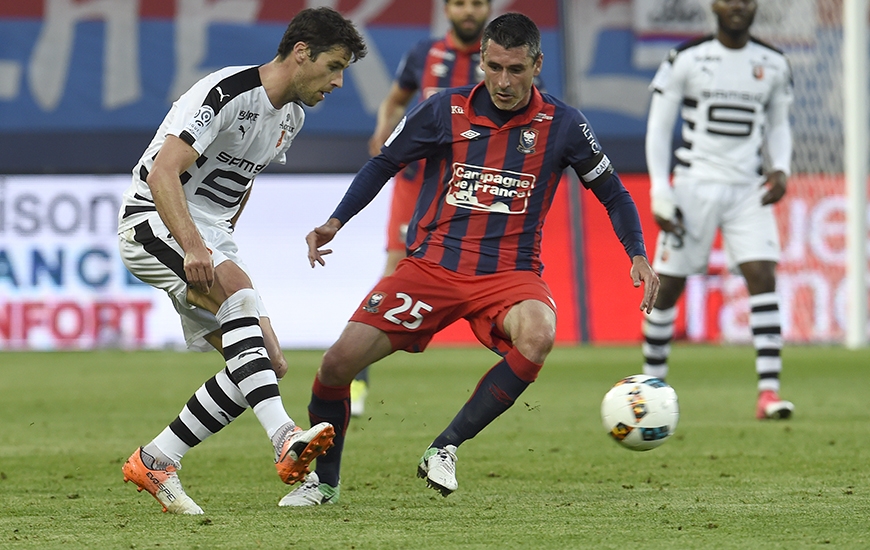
(469, 134)
(439, 70)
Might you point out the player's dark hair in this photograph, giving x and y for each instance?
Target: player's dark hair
(513, 30)
(322, 29)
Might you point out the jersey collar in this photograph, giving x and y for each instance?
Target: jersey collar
(536, 103)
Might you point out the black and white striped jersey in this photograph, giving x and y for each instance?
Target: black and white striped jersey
(228, 119)
(726, 97)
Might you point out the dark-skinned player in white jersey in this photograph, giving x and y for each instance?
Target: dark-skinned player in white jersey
(733, 93)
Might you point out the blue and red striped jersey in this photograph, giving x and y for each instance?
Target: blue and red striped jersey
(487, 185)
(434, 64)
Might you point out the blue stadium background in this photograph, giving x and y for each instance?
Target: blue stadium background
(56, 114)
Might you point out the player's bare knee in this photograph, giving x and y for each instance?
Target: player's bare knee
(336, 368)
(536, 344)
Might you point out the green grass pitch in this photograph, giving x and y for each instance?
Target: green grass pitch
(543, 476)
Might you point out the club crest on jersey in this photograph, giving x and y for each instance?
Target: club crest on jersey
(758, 71)
(528, 140)
(374, 302)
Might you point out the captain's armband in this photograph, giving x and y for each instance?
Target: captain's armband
(594, 171)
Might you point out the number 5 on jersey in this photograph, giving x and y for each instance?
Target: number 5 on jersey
(416, 308)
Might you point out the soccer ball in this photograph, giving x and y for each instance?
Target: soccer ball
(640, 412)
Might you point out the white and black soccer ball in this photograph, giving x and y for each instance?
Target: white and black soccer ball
(640, 412)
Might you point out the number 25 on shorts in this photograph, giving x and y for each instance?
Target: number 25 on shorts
(416, 311)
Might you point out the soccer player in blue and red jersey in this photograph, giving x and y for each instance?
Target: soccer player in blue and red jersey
(495, 153)
(432, 65)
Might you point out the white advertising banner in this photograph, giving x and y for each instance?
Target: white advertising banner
(63, 285)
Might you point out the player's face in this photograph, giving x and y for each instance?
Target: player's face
(318, 77)
(508, 75)
(467, 17)
(735, 16)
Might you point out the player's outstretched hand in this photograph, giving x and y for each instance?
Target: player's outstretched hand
(318, 237)
(642, 272)
(775, 186)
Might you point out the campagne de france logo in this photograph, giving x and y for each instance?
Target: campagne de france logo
(489, 189)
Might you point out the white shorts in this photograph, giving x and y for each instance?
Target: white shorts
(749, 231)
(153, 256)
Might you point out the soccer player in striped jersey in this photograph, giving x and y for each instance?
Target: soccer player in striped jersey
(432, 65)
(176, 233)
(495, 153)
(735, 92)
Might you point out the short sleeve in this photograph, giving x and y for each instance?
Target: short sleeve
(198, 120)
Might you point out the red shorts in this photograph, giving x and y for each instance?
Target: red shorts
(405, 193)
(421, 298)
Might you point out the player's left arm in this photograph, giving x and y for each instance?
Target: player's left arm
(778, 139)
(779, 149)
(596, 173)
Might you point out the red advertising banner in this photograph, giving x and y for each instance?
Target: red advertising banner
(810, 276)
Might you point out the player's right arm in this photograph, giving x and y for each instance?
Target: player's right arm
(664, 106)
(390, 112)
(176, 156)
(416, 135)
(658, 147)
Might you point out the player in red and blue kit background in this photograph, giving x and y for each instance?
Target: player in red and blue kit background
(432, 65)
(495, 153)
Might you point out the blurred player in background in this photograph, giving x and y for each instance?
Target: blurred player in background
(432, 65)
(176, 233)
(735, 92)
(495, 153)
